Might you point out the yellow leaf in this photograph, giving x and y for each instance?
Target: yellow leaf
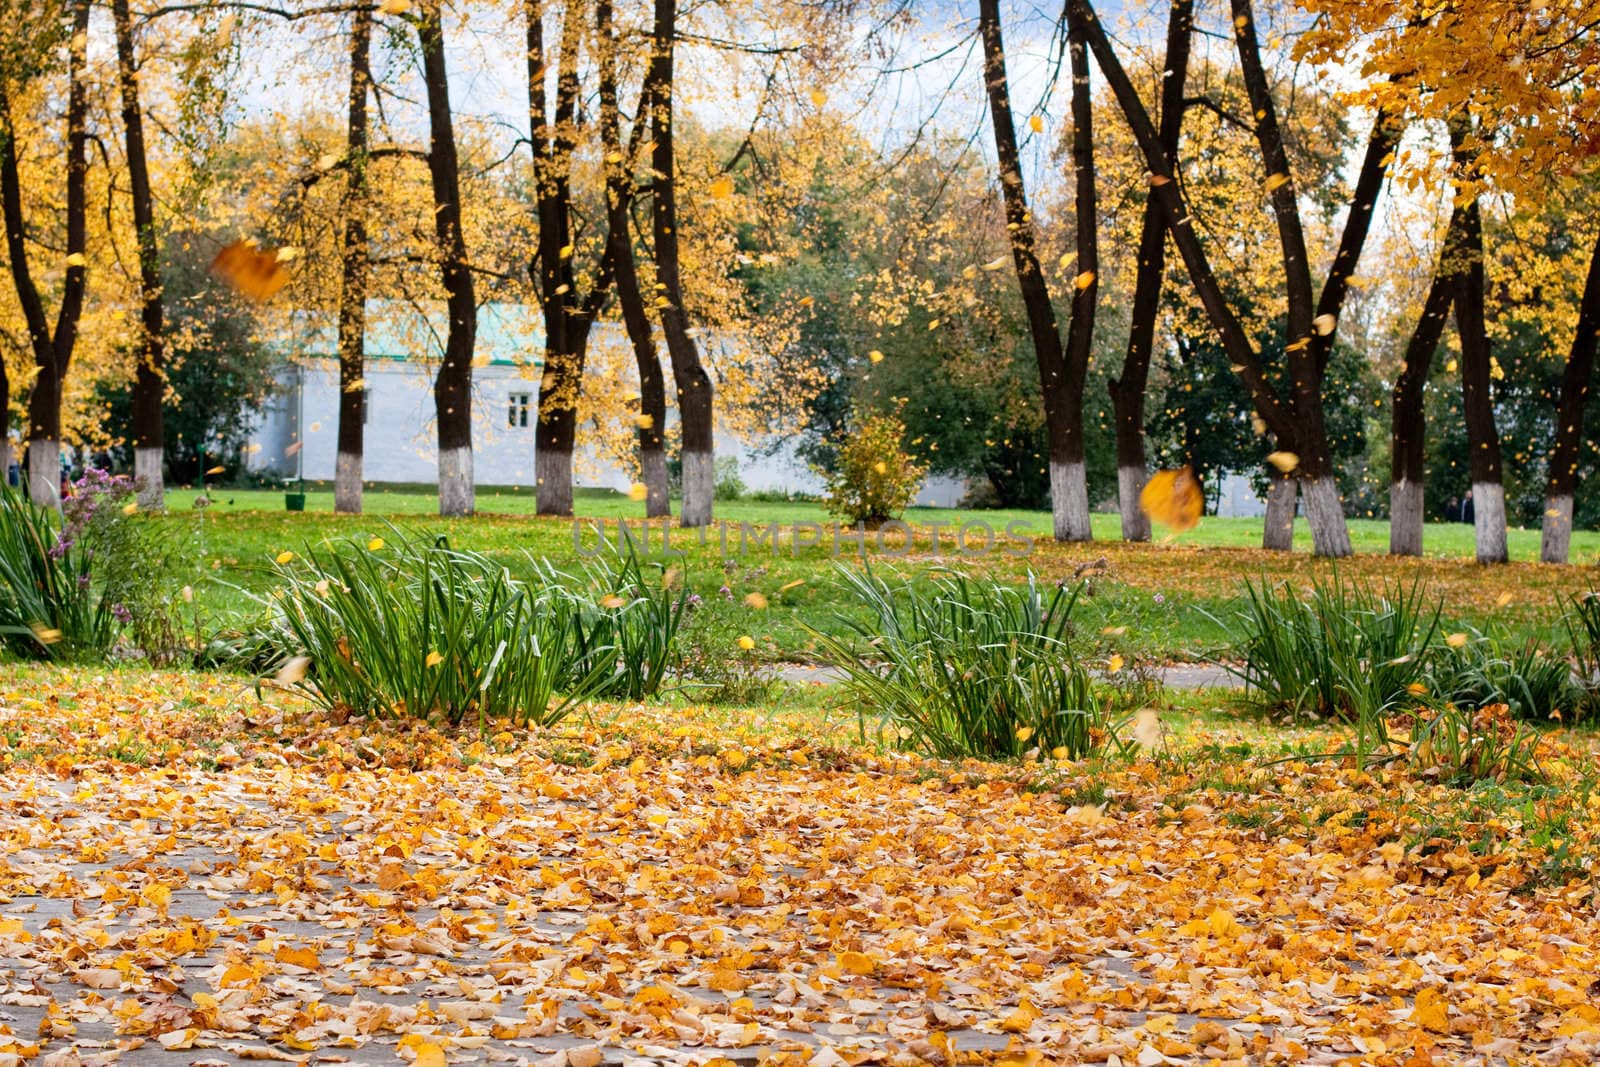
(429, 1055)
(1173, 498)
(1036, 123)
(995, 264)
(434, 658)
(1456, 640)
(1432, 1011)
(856, 963)
(1450, 367)
(875, 356)
(755, 600)
(786, 586)
(77, 259)
(1084, 280)
(216, 470)
(1157, 180)
(297, 957)
(375, 545)
(818, 97)
(1020, 1020)
(612, 601)
(1324, 324)
(644, 422)
(46, 635)
(1024, 732)
(566, 252)
(284, 557)
(130, 507)
(1114, 664)
(1147, 728)
(1284, 461)
(1497, 372)
(292, 671)
(1277, 181)
(356, 385)
(722, 188)
(395, 7)
(638, 491)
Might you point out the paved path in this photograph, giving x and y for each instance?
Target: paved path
(1182, 676)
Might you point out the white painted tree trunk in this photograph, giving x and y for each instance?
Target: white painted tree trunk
(1330, 536)
(1135, 523)
(44, 473)
(653, 466)
(148, 481)
(1069, 501)
(5, 461)
(1557, 530)
(347, 483)
(1405, 518)
(455, 481)
(699, 488)
(1277, 530)
(1489, 521)
(553, 471)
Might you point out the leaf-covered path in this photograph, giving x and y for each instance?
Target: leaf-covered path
(184, 870)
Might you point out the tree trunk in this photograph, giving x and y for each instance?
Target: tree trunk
(1059, 381)
(1477, 403)
(619, 195)
(452, 386)
(1562, 482)
(567, 319)
(1408, 428)
(5, 426)
(347, 473)
(696, 412)
(150, 383)
(1128, 392)
(52, 353)
(1277, 527)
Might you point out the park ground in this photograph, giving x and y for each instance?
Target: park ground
(195, 869)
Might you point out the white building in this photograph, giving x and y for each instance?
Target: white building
(400, 441)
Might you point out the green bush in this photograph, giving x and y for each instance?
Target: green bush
(1478, 671)
(873, 478)
(416, 628)
(716, 667)
(626, 627)
(969, 667)
(1347, 651)
(49, 607)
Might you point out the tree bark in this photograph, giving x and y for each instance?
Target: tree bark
(1477, 403)
(52, 352)
(1060, 381)
(1408, 426)
(150, 383)
(1562, 480)
(452, 385)
(347, 475)
(1128, 391)
(635, 317)
(696, 412)
(1309, 441)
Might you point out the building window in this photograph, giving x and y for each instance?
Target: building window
(366, 406)
(518, 412)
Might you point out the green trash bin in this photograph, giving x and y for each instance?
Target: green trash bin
(294, 501)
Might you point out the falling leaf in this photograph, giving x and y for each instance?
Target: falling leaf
(375, 545)
(755, 600)
(1497, 372)
(394, 7)
(818, 97)
(286, 253)
(1276, 182)
(1450, 367)
(644, 422)
(1284, 461)
(130, 507)
(613, 600)
(1036, 123)
(77, 259)
(284, 557)
(1114, 664)
(252, 271)
(1258, 424)
(638, 491)
(995, 264)
(355, 385)
(1173, 498)
(433, 659)
(294, 448)
(45, 635)
(875, 356)
(1324, 324)
(216, 470)
(1147, 727)
(293, 671)
(786, 586)
(1456, 640)
(1083, 281)
(722, 188)
(1156, 181)
(1024, 732)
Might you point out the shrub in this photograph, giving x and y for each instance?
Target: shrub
(48, 605)
(1350, 651)
(415, 628)
(715, 665)
(729, 486)
(1582, 620)
(874, 478)
(969, 667)
(625, 629)
(1531, 683)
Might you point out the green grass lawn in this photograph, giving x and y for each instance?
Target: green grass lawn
(1154, 601)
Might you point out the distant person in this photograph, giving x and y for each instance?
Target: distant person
(1467, 513)
(1452, 510)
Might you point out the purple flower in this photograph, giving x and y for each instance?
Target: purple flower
(1159, 599)
(121, 613)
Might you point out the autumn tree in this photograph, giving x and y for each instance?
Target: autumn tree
(354, 270)
(29, 43)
